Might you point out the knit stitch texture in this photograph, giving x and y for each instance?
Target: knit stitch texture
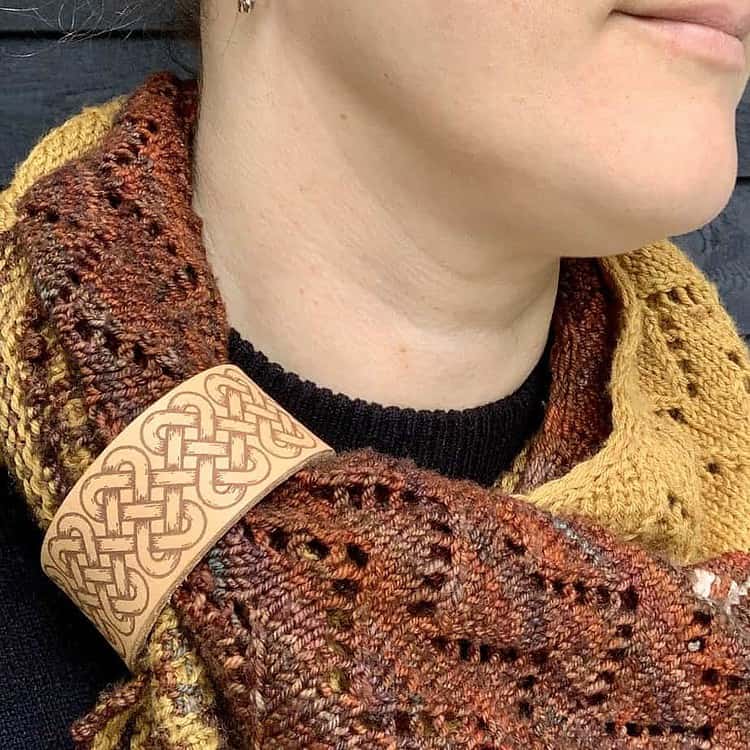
(366, 602)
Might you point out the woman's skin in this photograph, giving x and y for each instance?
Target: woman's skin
(387, 186)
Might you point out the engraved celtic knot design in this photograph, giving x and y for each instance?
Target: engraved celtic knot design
(163, 491)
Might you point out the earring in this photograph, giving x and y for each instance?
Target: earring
(245, 6)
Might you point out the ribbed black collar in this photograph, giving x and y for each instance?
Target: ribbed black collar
(478, 443)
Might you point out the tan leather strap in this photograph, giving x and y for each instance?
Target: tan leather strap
(163, 492)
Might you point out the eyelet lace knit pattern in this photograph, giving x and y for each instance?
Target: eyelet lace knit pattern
(386, 604)
(366, 602)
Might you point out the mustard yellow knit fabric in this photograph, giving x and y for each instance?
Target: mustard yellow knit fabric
(674, 475)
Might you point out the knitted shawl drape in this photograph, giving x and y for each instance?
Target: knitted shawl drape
(580, 603)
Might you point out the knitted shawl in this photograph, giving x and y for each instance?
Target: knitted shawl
(595, 597)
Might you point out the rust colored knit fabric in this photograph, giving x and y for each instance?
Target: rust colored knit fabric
(389, 606)
(578, 415)
(365, 603)
(121, 276)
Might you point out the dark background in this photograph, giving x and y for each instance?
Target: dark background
(61, 55)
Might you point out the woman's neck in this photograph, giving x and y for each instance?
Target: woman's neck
(345, 251)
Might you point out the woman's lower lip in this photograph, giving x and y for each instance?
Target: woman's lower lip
(696, 39)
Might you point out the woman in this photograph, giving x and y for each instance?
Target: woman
(448, 220)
